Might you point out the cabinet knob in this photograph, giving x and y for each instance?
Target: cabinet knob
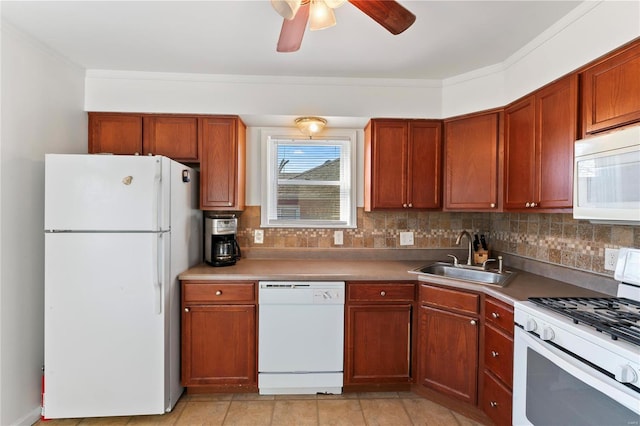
(229, 203)
(495, 315)
(136, 153)
(493, 404)
(473, 322)
(494, 354)
(404, 205)
(187, 309)
(150, 154)
(534, 205)
(492, 205)
(383, 293)
(218, 292)
(527, 205)
(410, 205)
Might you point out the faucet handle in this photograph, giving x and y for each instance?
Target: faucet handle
(455, 259)
(484, 264)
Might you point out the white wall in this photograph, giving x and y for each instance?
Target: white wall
(588, 32)
(42, 111)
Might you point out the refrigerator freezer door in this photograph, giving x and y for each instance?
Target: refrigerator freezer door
(105, 324)
(106, 193)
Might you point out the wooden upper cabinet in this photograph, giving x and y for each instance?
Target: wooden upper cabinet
(402, 164)
(424, 182)
(222, 169)
(556, 133)
(175, 137)
(611, 91)
(471, 156)
(519, 158)
(540, 131)
(115, 133)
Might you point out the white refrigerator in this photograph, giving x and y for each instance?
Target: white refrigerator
(118, 231)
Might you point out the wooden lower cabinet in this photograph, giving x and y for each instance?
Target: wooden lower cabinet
(378, 334)
(497, 376)
(219, 350)
(448, 341)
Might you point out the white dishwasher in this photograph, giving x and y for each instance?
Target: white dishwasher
(300, 337)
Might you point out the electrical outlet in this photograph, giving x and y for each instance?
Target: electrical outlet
(406, 238)
(610, 259)
(338, 238)
(258, 236)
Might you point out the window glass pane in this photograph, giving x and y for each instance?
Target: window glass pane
(309, 162)
(302, 172)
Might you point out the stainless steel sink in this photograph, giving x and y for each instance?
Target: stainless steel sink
(465, 273)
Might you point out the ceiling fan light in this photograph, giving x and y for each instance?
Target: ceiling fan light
(321, 16)
(286, 8)
(334, 3)
(310, 125)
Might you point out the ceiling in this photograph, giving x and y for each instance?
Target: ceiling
(449, 38)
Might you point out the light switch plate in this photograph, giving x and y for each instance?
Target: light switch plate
(338, 238)
(406, 238)
(258, 236)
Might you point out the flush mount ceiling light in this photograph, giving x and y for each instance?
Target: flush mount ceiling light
(310, 125)
(319, 14)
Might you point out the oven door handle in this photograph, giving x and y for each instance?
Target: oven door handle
(576, 368)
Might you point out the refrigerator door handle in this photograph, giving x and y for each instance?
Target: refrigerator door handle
(157, 190)
(158, 273)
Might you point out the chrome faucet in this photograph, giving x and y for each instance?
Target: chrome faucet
(462, 234)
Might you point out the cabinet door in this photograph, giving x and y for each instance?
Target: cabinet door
(387, 169)
(115, 133)
(448, 353)
(611, 91)
(173, 137)
(519, 155)
(424, 165)
(378, 344)
(222, 168)
(471, 163)
(219, 345)
(556, 132)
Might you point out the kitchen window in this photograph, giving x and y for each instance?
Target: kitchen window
(308, 183)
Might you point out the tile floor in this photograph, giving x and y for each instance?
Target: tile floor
(375, 408)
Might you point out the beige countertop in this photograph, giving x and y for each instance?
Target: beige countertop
(522, 286)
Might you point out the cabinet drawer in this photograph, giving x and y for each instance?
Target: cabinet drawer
(464, 302)
(499, 314)
(383, 292)
(496, 401)
(498, 354)
(207, 292)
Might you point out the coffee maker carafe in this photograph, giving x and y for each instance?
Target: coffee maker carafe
(220, 245)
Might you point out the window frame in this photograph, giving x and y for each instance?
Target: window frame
(268, 139)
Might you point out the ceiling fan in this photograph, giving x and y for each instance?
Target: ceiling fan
(319, 13)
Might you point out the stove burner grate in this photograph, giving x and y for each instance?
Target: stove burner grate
(617, 316)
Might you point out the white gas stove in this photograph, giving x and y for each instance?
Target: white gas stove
(577, 360)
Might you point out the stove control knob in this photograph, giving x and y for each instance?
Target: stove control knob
(530, 325)
(547, 333)
(626, 374)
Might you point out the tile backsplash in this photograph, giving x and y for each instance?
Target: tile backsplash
(552, 237)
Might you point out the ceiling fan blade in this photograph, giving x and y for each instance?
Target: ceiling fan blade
(293, 30)
(388, 13)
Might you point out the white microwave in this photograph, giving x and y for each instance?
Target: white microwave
(606, 184)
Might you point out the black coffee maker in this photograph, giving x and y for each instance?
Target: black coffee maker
(220, 245)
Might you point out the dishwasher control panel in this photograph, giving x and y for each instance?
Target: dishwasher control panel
(327, 296)
(301, 292)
